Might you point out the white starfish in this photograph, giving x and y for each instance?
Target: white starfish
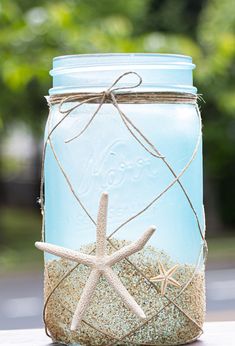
(166, 277)
(101, 264)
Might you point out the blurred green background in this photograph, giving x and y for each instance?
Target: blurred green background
(33, 32)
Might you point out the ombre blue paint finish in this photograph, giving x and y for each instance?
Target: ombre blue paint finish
(107, 158)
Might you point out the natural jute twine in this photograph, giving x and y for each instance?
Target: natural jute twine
(116, 96)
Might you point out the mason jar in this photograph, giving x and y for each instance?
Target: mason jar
(123, 130)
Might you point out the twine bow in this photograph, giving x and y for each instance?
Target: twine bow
(110, 96)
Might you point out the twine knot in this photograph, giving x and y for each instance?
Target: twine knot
(107, 94)
(110, 95)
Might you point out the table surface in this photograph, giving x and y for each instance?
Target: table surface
(215, 334)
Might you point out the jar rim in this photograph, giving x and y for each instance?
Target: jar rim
(119, 59)
(95, 55)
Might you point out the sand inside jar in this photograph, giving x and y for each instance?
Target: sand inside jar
(108, 321)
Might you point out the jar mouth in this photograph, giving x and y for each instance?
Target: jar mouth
(96, 72)
(93, 61)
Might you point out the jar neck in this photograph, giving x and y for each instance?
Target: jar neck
(97, 72)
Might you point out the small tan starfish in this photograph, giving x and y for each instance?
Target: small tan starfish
(165, 277)
(101, 264)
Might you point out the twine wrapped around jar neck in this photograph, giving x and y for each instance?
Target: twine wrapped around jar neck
(125, 98)
(121, 96)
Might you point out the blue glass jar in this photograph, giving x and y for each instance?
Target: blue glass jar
(144, 188)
